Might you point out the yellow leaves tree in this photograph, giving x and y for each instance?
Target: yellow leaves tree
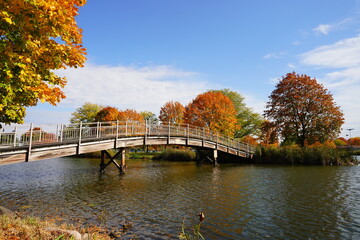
(213, 110)
(36, 37)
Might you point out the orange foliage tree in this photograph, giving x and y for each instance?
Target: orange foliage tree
(37, 37)
(172, 112)
(250, 140)
(303, 110)
(343, 140)
(354, 141)
(213, 110)
(107, 114)
(130, 115)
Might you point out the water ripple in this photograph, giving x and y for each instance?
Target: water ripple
(239, 201)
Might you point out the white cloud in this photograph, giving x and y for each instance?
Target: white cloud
(271, 55)
(140, 88)
(145, 88)
(274, 55)
(323, 29)
(296, 43)
(342, 60)
(291, 65)
(343, 54)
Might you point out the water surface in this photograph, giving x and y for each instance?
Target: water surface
(239, 201)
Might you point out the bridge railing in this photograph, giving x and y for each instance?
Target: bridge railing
(22, 135)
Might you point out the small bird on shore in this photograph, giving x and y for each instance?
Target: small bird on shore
(201, 217)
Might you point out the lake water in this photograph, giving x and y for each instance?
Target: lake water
(239, 201)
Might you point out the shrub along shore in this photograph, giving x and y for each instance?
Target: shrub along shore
(321, 155)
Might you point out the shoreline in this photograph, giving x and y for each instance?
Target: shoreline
(17, 226)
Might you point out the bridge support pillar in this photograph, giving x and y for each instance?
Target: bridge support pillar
(123, 161)
(215, 157)
(105, 154)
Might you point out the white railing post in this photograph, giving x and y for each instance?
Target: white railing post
(188, 132)
(169, 133)
(117, 129)
(28, 155)
(61, 132)
(146, 125)
(97, 129)
(57, 132)
(126, 128)
(203, 136)
(217, 140)
(169, 130)
(15, 131)
(39, 134)
(117, 134)
(80, 132)
(145, 135)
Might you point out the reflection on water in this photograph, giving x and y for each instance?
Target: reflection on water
(239, 201)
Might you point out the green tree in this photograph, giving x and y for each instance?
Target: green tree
(249, 121)
(303, 110)
(149, 116)
(36, 37)
(86, 113)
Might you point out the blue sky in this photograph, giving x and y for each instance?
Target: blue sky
(143, 53)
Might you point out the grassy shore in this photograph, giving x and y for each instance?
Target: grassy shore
(15, 227)
(305, 156)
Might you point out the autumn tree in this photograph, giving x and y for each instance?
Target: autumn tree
(172, 112)
(303, 110)
(249, 120)
(107, 114)
(86, 113)
(340, 141)
(130, 115)
(36, 37)
(213, 110)
(268, 133)
(354, 141)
